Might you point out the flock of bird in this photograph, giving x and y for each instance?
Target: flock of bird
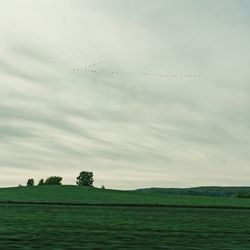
(91, 69)
(94, 64)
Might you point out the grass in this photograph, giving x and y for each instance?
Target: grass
(56, 225)
(218, 191)
(81, 227)
(75, 194)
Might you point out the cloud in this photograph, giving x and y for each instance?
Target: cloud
(131, 130)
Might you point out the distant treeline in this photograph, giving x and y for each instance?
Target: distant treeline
(85, 178)
(240, 192)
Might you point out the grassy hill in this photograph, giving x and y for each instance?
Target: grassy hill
(32, 226)
(86, 195)
(216, 191)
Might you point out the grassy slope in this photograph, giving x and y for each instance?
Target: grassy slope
(203, 191)
(75, 194)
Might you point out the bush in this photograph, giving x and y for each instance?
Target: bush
(41, 182)
(241, 195)
(53, 180)
(30, 182)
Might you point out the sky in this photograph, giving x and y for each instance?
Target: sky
(175, 112)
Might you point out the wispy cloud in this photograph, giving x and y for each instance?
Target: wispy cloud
(131, 131)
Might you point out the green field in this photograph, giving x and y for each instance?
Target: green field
(217, 191)
(111, 220)
(85, 195)
(76, 227)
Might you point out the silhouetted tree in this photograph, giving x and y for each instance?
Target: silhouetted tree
(53, 180)
(85, 178)
(41, 182)
(30, 182)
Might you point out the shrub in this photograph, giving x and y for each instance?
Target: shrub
(53, 180)
(41, 182)
(30, 182)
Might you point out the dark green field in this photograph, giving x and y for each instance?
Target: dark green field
(85, 195)
(120, 226)
(62, 227)
(217, 191)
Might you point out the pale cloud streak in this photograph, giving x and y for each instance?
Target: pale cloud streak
(132, 131)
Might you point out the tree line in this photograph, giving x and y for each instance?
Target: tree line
(85, 178)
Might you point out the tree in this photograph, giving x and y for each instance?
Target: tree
(102, 187)
(53, 180)
(30, 182)
(41, 182)
(85, 178)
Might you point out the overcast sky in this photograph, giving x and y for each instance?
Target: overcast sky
(131, 130)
